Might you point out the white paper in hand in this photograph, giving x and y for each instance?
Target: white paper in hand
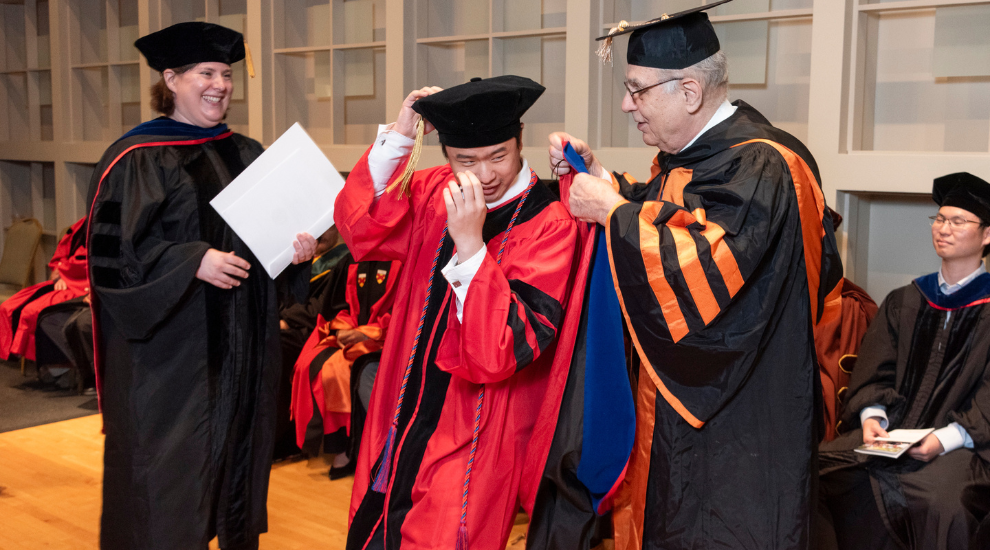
(289, 189)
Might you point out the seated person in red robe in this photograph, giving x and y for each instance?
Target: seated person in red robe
(837, 338)
(923, 364)
(331, 362)
(453, 442)
(297, 319)
(19, 314)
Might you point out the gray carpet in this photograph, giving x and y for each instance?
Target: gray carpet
(23, 404)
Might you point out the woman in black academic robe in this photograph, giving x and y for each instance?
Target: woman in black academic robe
(187, 328)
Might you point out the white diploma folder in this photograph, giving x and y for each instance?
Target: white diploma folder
(289, 189)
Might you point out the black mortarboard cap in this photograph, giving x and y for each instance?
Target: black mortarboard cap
(192, 42)
(963, 190)
(674, 41)
(481, 112)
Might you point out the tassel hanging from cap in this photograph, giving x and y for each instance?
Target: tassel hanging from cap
(605, 50)
(247, 60)
(403, 182)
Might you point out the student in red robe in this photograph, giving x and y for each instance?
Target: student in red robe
(19, 314)
(457, 430)
(322, 384)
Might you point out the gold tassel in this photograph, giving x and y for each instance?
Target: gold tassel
(605, 50)
(403, 182)
(247, 60)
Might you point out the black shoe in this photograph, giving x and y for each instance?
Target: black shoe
(343, 471)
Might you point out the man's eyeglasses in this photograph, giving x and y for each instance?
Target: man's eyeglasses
(956, 223)
(634, 93)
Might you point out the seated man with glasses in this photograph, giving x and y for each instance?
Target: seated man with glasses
(923, 364)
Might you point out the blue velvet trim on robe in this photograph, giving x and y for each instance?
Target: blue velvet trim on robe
(164, 126)
(976, 290)
(609, 413)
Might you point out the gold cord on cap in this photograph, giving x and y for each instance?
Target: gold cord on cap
(403, 182)
(605, 50)
(247, 60)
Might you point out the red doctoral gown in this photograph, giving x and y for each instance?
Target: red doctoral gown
(508, 341)
(19, 314)
(321, 383)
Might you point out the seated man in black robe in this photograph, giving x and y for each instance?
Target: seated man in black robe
(923, 364)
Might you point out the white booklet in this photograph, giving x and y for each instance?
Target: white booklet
(289, 189)
(895, 444)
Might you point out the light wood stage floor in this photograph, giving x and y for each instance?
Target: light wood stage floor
(50, 486)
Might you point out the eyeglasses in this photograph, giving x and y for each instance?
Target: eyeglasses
(954, 223)
(634, 93)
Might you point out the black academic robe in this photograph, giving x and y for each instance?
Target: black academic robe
(927, 373)
(723, 263)
(65, 335)
(301, 316)
(187, 372)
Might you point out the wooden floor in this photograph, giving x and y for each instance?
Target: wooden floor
(50, 484)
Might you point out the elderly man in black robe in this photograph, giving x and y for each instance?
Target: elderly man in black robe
(923, 364)
(724, 262)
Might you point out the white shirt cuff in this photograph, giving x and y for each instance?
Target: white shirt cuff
(953, 437)
(386, 154)
(876, 411)
(460, 276)
(605, 175)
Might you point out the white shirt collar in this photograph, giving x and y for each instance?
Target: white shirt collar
(725, 110)
(522, 181)
(947, 289)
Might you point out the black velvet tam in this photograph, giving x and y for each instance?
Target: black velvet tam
(673, 41)
(963, 190)
(192, 42)
(480, 113)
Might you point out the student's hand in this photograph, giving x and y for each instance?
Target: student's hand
(346, 337)
(559, 166)
(872, 430)
(86, 299)
(406, 123)
(222, 269)
(466, 211)
(927, 449)
(282, 325)
(305, 246)
(60, 284)
(592, 198)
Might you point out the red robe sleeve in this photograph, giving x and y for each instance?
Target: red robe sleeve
(381, 229)
(512, 314)
(62, 250)
(70, 264)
